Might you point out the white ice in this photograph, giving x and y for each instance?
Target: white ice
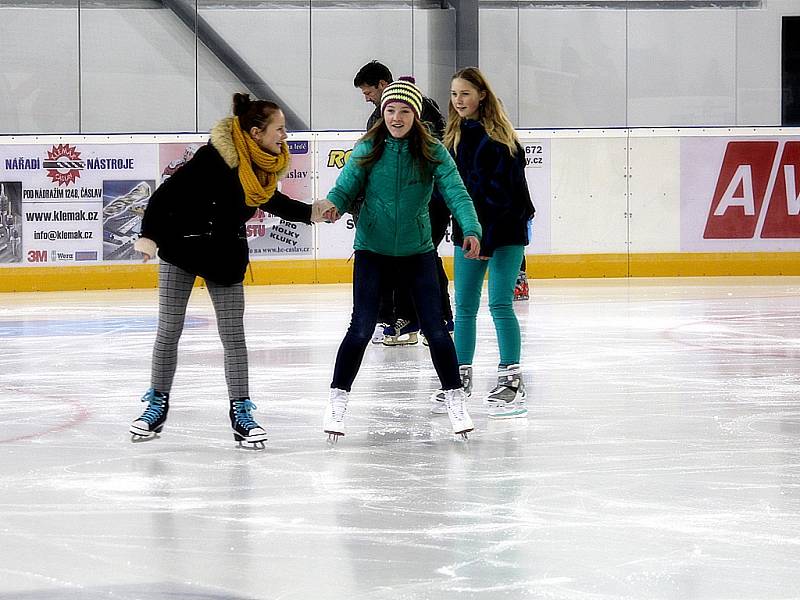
(660, 458)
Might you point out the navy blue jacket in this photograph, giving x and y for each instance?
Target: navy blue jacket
(496, 181)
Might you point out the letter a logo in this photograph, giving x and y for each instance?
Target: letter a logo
(783, 212)
(739, 194)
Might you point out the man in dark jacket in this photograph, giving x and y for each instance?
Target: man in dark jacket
(373, 78)
(397, 309)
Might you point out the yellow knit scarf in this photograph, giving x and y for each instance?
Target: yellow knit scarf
(259, 171)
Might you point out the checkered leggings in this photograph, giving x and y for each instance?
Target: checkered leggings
(174, 289)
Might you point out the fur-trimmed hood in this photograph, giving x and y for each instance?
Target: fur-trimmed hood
(222, 140)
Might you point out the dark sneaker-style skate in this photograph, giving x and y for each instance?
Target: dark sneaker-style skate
(456, 403)
(378, 335)
(245, 428)
(402, 333)
(333, 421)
(521, 289)
(437, 398)
(150, 424)
(507, 399)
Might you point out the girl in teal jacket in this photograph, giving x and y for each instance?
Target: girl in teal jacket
(396, 164)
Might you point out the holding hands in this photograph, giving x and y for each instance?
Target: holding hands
(324, 211)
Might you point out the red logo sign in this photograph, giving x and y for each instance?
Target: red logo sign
(63, 164)
(756, 193)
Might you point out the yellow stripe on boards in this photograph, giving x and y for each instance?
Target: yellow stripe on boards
(287, 272)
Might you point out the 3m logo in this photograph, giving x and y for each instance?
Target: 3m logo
(37, 255)
(756, 193)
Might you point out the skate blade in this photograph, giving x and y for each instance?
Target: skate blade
(407, 339)
(463, 434)
(245, 445)
(137, 438)
(255, 441)
(509, 415)
(333, 436)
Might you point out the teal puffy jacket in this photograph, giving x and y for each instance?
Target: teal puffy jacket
(394, 219)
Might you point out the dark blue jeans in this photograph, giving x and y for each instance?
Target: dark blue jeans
(419, 274)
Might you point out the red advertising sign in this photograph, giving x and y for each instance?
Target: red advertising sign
(740, 194)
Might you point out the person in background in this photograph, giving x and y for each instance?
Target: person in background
(521, 288)
(393, 240)
(491, 162)
(398, 324)
(195, 221)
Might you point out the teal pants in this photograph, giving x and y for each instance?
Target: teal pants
(503, 269)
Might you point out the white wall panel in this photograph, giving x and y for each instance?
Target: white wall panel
(588, 202)
(758, 62)
(681, 68)
(499, 57)
(654, 193)
(571, 69)
(342, 44)
(276, 44)
(39, 74)
(434, 53)
(216, 86)
(138, 71)
(554, 68)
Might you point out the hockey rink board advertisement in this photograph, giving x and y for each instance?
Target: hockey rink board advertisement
(740, 194)
(537, 173)
(66, 203)
(272, 237)
(335, 240)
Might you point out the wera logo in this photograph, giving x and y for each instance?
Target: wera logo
(756, 193)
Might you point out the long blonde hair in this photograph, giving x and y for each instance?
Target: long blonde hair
(491, 114)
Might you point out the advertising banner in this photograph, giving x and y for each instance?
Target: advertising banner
(740, 194)
(537, 172)
(82, 202)
(335, 240)
(10, 222)
(66, 203)
(272, 237)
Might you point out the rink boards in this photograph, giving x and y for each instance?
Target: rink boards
(609, 203)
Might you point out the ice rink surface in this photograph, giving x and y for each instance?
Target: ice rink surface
(660, 458)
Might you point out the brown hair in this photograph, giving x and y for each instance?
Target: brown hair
(491, 114)
(420, 144)
(253, 113)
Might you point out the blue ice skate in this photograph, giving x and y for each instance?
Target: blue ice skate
(150, 424)
(245, 428)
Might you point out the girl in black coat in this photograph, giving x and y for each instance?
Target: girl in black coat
(195, 221)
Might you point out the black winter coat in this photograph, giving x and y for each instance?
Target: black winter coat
(496, 181)
(197, 218)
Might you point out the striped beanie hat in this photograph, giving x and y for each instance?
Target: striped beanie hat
(403, 90)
